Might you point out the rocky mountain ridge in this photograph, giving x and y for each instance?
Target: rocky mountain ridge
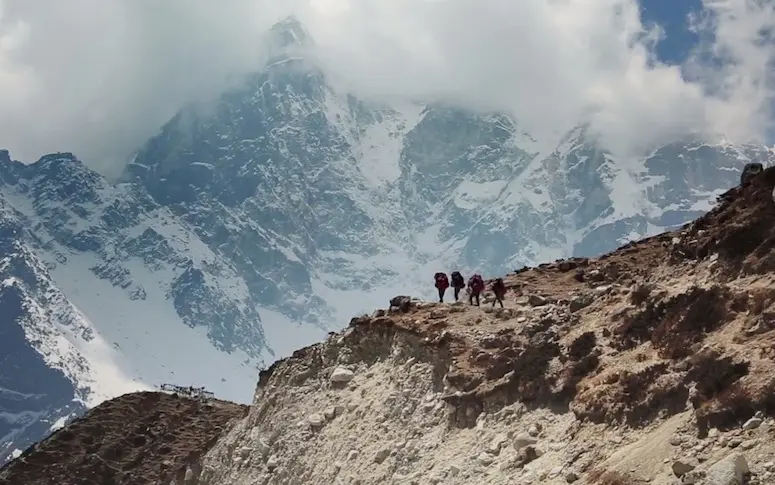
(651, 364)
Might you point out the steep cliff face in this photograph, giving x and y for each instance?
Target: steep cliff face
(651, 364)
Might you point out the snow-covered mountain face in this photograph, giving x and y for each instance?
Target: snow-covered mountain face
(249, 226)
(313, 188)
(104, 291)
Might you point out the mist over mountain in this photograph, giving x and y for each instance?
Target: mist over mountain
(250, 226)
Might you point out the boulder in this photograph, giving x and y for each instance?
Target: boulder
(752, 423)
(682, 467)
(316, 420)
(523, 440)
(537, 300)
(342, 375)
(580, 301)
(731, 470)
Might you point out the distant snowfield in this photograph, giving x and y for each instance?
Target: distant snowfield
(149, 342)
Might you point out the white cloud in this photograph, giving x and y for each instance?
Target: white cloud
(99, 76)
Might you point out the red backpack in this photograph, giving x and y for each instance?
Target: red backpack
(441, 280)
(476, 283)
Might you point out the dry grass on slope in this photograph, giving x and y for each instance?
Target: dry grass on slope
(136, 438)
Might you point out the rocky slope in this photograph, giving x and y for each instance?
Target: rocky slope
(651, 364)
(166, 432)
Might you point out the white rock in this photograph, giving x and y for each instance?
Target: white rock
(523, 440)
(342, 375)
(485, 458)
(752, 423)
(330, 413)
(316, 420)
(497, 443)
(381, 455)
(263, 448)
(272, 463)
(555, 471)
(748, 444)
(533, 431)
(729, 471)
(352, 406)
(676, 440)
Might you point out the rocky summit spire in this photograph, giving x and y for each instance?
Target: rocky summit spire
(289, 33)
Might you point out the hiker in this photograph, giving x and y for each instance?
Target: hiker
(475, 288)
(499, 289)
(458, 283)
(442, 283)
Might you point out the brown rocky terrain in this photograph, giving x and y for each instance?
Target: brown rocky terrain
(652, 364)
(140, 438)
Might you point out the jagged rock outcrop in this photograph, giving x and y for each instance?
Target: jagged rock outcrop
(656, 379)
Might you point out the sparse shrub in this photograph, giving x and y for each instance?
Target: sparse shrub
(736, 404)
(714, 374)
(636, 328)
(574, 373)
(760, 300)
(689, 317)
(676, 324)
(636, 384)
(582, 346)
(640, 294)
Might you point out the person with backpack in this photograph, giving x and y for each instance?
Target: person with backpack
(458, 283)
(475, 288)
(442, 283)
(499, 289)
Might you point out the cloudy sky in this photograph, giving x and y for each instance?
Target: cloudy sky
(97, 77)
